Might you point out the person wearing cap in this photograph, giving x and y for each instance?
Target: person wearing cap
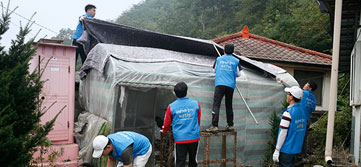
(227, 68)
(129, 148)
(309, 103)
(184, 114)
(90, 13)
(292, 129)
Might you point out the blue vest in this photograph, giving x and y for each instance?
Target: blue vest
(296, 131)
(185, 119)
(309, 103)
(79, 29)
(226, 71)
(121, 140)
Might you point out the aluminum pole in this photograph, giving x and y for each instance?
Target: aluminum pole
(334, 78)
(239, 92)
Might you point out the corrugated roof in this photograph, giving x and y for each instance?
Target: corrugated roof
(258, 47)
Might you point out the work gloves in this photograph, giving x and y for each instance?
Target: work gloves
(276, 156)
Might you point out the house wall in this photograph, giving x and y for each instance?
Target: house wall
(290, 70)
(325, 92)
(263, 95)
(325, 88)
(355, 93)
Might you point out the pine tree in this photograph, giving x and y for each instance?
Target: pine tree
(20, 129)
(274, 122)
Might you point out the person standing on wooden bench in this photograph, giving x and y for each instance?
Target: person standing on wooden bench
(227, 68)
(184, 114)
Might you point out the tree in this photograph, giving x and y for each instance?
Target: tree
(65, 34)
(342, 127)
(296, 22)
(147, 15)
(20, 129)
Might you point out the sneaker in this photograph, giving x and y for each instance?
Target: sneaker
(229, 128)
(212, 129)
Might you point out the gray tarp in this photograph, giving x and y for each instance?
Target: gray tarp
(98, 31)
(128, 77)
(128, 86)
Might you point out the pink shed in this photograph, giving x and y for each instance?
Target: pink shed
(59, 87)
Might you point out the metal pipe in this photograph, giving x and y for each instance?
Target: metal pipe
(239, 92)
(356, 112)
(334, 78)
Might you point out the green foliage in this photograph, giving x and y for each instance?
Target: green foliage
(53, 154)
(298, 22)
(102, 161)
(342, 126)
(20, 131)
(271, 145)
(274, 122)
(146, 15)
(66, 35)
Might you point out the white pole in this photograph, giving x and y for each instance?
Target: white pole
(334, 78)
(239, 92)
(356, 111)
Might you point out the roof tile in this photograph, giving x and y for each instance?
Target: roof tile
(254, 46)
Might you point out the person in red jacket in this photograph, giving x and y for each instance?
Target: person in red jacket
(184, 114)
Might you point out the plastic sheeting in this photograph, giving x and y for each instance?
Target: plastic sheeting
(98, 31)
(128, 86)
(85, 130)
(127, 82)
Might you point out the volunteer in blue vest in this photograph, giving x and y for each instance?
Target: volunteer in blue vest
(227, 68)
(89, 12)
(292, 129)
(184, 114)
(309, 103)
(129, 148)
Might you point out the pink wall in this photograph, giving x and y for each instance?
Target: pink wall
(59, 87)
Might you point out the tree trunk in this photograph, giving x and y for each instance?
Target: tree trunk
(202, 17)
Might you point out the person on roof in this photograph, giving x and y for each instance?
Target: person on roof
(292, 129)
(129, 148)
(184, 114)
(90, 13)
(227, 68)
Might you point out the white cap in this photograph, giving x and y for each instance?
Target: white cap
(99, 144)
(295, 91)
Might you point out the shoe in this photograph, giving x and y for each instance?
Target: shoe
(229, 128)
(212, 129)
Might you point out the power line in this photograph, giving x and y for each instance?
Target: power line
(32, 21)
(36, 23)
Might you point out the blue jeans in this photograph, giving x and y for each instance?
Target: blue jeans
(287, 160)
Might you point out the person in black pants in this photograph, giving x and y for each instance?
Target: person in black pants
(227, 68)
(181, 150)
(184, 115)
(79, 51)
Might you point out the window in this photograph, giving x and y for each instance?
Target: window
(303, 76)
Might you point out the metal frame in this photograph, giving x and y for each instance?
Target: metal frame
(167, 139)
